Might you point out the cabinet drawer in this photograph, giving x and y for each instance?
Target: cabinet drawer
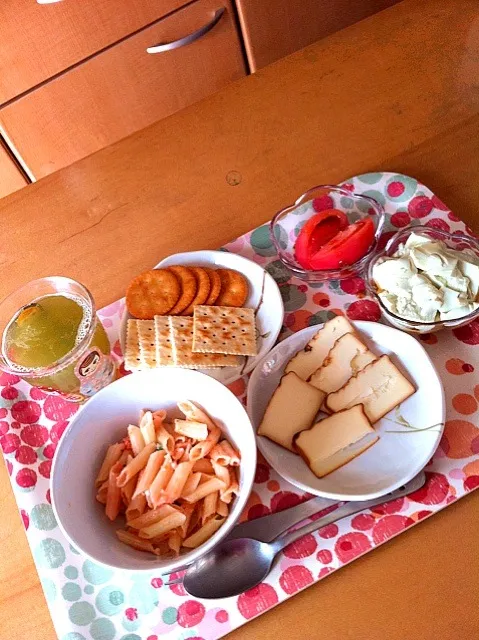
(124, 89)
(11, 178)
(273, 29)
(40, 40)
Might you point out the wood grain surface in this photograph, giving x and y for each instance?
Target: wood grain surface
(398, 91)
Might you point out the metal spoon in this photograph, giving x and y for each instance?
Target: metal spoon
(235, 566)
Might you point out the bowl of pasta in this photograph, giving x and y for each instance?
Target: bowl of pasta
(154, 470)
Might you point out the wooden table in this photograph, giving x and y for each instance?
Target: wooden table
(399, 91)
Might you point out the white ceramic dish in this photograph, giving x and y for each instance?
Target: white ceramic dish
(396, 457)
(264, 296)
(102, 421)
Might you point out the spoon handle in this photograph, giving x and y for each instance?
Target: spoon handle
(267, 528)
(347, 509)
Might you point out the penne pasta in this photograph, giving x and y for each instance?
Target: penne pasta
(138, 463)
(160, 482)
(205, 532)
(203, 465)
(132, 540)
(204, 489)
(147, 428)
(136, 507)
(113, 496)
(222, 508)
(224, 454)
(113, 454)
(136, 439)
(209, 506)
(171, 521)
(173, 480)
(150, 517)
(191, 429)
(165, 439)
(149, 472)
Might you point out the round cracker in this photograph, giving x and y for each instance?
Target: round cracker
(152, 293)
(215, 284)
(188, 285)
(202, 292)
(234, 288)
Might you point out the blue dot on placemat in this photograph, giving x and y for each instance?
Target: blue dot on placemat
(42, 517)
(95, 573)
(110, 600)
(71, 591)
(49, 554)
(102, 629)
(169, 615)
(89, 589)
(81, 613)
(71, 572)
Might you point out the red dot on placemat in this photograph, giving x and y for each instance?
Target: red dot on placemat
(48, 497)
(471, 483)
(131, 614)
(37, 394)
(8, 378)
(3, 412)
(469, 334)
(353, 286)
(190, 613)
(26, 411)
(257, 600)
(49, 451)
(434, 491)
(393, 506)
(325, 556)
(364, 310)
(34, 435)
(152, 638)
(9, 393)
(420, 206)
(9, 442)
(25, 455)
(438, 223)
(322, 203)
(351, 545)
(58, 409)
(262, 473)
(395, 189)
(25, 518)
(26, 478)
(221, 616)
(295, 578)
(363, 522)
(9, 467)
(3, 427)
(258, 511)
(156, 583)
(45, 468)
(302, 548)
(57, 430)
(329, 531)
(284, 500)
(400, 219)
(389, 526)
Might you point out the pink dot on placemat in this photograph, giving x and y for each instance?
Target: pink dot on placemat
(26, 478)
(48, 497)
(26, 411)
(324, 572)
(8, 378)
(302, 548)
(3, 427)
(152, 638)
(45, 468)
(3, 413)
(295, 578)
(329, 531)
(395, 189)
(34, 435)
(156, 583)
(190, 613)
(57, 408)
(25, 518)
(37, 394)
(25, 455)
(351, 545)
(389, 526)
(9, 442)
(363, 522)
(325, 556)
(257, 600)
(9, 467)
(221, 616)
(57, 430)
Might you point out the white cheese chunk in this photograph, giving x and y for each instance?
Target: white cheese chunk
(393, 275)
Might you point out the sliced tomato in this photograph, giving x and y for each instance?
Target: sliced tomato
(347, 246)
(317, 232)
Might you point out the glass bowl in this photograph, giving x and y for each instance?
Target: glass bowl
(287, 223)
(457, 241)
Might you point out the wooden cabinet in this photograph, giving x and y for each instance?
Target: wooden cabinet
(273, 29)
(11, 177)
(124, 88)
(38, 41)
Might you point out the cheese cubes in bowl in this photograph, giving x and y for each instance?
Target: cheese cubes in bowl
(427, 279)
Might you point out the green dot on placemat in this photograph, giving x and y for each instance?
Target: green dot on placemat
(73, 635)
(130, 625)
(370, 178)
(377, 195)
(278, 272)
(72, 548)
(49, 553)
(42, 517)
(347, 203)
(71, 572)
(49, 588)
(293, 297)
(89, 589)
(71, 591)
(261, 241)
(130, 636)
(110, 600)
(169, 615)
(81, 613)
(95, 574)
(102, 629)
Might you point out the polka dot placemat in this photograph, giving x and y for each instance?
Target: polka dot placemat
(88, 601)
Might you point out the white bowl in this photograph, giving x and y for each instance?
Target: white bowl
(401, 451)
(104, 420)
(264, 296)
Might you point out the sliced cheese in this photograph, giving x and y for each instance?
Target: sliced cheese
(336, 440)
(379, 387)
(348, 356)
(292, 408)
(306, 361)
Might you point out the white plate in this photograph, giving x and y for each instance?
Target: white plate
(396, 457)
(264, 296)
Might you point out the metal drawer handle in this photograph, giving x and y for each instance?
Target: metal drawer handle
(192, 37)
